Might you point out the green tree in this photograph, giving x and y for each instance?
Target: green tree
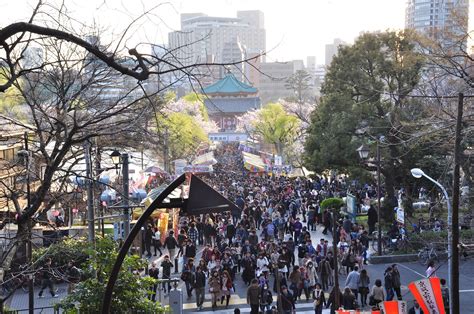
(276, 126)
(365, 98)
(130, 292)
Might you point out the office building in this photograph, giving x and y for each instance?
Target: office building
(224, 39)
(272, 85)
(438, 18)
(331, 50)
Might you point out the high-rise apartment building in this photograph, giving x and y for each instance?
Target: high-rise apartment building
(331, 50)
(222, 39)
(434, 16)
(273, 81)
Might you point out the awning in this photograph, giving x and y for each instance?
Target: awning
(253, 163)
(205, 159)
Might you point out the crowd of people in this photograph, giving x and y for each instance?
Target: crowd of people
(267, 244)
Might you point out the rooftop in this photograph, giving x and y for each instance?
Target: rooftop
(232, 105)
(229, 86)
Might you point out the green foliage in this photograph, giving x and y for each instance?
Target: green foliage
(332, 202)
(184, 134)
(198, 98)
(63, 252)
(11, 100)
(276, 126)
(130, 292)
(300, 83)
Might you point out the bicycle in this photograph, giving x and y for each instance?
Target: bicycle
(426, 254)
(385, 242)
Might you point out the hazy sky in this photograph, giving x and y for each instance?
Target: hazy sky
(295, 29)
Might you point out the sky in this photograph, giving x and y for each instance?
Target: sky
(295, 29)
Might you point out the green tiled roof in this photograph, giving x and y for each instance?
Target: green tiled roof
(229, 85)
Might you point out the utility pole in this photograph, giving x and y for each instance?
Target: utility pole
(29, 249)
(454, 301)
(125, 196)
(90, 194)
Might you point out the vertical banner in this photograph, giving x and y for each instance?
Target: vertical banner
(163, 226)
(394, 307)
(428, 294)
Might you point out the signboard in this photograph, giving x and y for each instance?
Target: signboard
(428, 294)
(400, 215)
(351, 206)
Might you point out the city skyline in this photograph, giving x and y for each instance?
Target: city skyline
(285, 40)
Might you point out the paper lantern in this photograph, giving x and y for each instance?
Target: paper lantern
(394, 307)
(428, 294)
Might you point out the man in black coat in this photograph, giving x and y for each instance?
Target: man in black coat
(199, 287)
(153, 272)
(372, 218)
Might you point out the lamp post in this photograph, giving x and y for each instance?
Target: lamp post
(364, 154)
(118, 158)
(418, 173)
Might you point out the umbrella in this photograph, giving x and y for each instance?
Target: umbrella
(154, 169)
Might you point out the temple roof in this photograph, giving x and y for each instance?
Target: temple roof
(232, 105)
(229, 85)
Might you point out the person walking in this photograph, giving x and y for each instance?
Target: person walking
(352, 281)
(372, 218)
(363, 285)
(287, 301)
(200, 287)
(157, 241)
(73, 276)
(253, 296)
(396, 283)
(171, 244)
(326, 271)
(215, 288)
(377, 294)
(47, 279)
(153, 272)
(331, 303)
(148, 239)
(166, 266)
(349, 300)
(188, 276)
(319, 299)
(266, 298)
(227, 288)
(388, 284)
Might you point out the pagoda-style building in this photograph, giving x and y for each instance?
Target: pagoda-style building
(226, 100)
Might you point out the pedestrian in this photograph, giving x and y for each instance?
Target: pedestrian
(189, 251)
(416, 309)
(227, 288)
(326, 272)
(445, 294)
(171, 244)
(215, 288)
(153, 272)
(319, 299)
(287, 301)
(166, 266)
(377, 294)
(363, 285)
(349, 300)
(187, 276)
(331, 303)
(253, 296)
(199, 286)
(431, 270)
(266, 298)
(296, 282)
(388, 283)
(74, 275)
(157, 241)
(148, 239)
(47, 276)
(352, 281)
(396, 283)
(372, 218)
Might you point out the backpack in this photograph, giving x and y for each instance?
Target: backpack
(302, 251)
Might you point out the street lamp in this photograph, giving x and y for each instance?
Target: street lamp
(363, 151)
(115, 156)
(418, 173)
(117, 159)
